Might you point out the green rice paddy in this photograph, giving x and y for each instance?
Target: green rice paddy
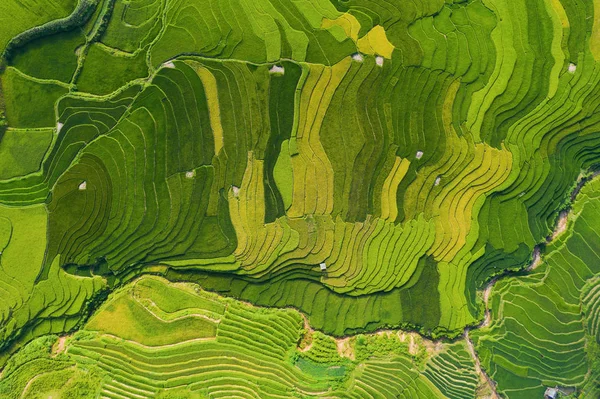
(298, 199)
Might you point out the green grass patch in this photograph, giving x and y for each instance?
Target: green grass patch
(29, 104)
(22, 151)
(50, 57)
(106, 70)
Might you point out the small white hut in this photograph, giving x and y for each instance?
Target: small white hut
(551, 393)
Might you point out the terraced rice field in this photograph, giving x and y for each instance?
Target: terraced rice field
(307, 198)
(544, 325)
(232, 350)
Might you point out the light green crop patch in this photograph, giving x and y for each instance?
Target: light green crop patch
(22, 151)
(5, 232)
(284, 174)
(19, 15)
(29, 103)
(106, 70)
(24, 254)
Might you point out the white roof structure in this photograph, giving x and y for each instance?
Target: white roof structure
(572, 68)
(323, 266)
(169, 64)
(551, 393)
(379, 60)
(236, 190)
(275, 69)
(437, 181)
(59, 126)
(83, 186)
(358, 57)
(419, 154)
(190, 174)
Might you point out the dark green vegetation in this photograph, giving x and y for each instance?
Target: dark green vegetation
(372, 164)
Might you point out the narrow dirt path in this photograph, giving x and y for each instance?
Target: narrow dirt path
(307, 338)
(483, 377)
(344, 348)
(59, 346)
